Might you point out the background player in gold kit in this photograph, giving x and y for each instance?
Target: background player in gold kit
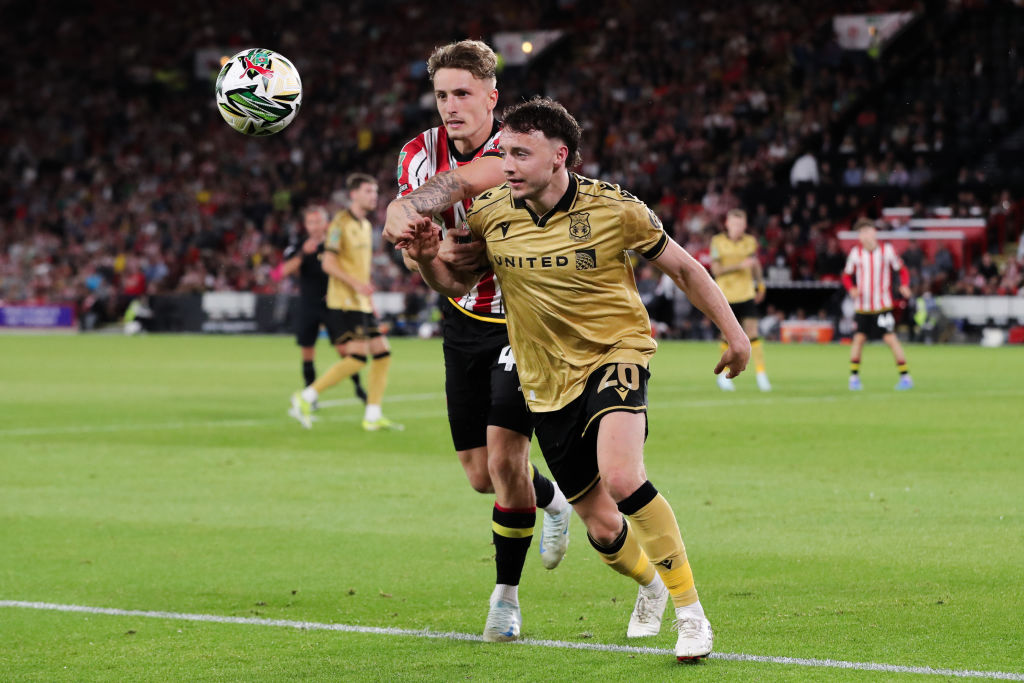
(738, 272)
(558, 243)
(351, 322)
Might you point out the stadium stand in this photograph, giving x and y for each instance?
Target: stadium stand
(118, 178)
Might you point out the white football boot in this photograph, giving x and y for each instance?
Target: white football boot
(695, 636)
(503, 622)
(648, 610)
(554, 538)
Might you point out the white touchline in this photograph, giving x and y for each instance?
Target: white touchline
(454, 635)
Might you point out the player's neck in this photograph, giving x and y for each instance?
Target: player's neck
(467, 145)
(554, 191)
(357, 211)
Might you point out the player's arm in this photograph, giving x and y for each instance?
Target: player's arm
(437, 194)
(332, 267)
(718, 268)
(847, 277)
(691, 277)
(288, 267)
(760, 288)
(424, 249)
(904, 275)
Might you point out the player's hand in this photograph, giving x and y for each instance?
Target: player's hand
(735, 357)
(461, 252)
(310, 245)
(905, 291)
(425, 242)
(365, 288)
(749, 262)
(759, 294)
(854, 292)
(400, 223)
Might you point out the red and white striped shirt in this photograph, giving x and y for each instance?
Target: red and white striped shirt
(428, 154)
(871, 273)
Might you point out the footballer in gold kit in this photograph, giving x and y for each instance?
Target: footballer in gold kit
(351, 322)
(738, 272)
(558, 243)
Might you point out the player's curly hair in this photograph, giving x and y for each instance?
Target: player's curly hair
(550, 118)
(473, 56)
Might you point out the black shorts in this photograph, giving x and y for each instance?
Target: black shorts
(308, 320)
(344, 326)
(875, 325)
(482, 388)
(568, 436)
(744, 309)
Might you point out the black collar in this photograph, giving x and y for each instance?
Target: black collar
(469, 156)
(564, 204)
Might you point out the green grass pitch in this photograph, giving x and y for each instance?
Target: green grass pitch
(162, 473)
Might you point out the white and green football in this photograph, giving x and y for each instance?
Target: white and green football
(258, 92)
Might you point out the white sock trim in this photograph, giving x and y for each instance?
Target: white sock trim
(373, 413)
(309, 394)
(506, 593)
(558, 503)
(694, 610)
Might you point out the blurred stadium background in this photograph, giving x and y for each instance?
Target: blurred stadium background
(120, 182)
(162, 473)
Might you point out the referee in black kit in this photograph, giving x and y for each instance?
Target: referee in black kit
(303, 257)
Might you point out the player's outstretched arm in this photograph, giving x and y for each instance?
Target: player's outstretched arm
(423, 249)
(437, 194)
(691, 277)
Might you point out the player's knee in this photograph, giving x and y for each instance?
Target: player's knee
(621, 483)
(480, 481)
(478, 476)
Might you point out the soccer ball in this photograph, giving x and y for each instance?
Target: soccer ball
(258, 92)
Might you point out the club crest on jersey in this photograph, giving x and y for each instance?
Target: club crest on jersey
(586, 259)
(579, 226)
(504, 226)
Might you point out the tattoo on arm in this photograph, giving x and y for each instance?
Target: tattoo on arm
(438, 193)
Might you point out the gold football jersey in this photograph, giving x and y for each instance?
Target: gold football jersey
(738, 285)
(351, 239)
(570, 297)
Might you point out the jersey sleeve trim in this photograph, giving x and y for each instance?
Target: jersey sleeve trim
(656, 251)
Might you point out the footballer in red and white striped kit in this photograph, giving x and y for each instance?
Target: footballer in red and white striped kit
(432, 152)
(439, 172)
(868, 279)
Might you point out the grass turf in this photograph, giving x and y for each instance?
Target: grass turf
(161, 473)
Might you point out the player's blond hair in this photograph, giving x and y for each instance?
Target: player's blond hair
(738, 213)
(863, 222)
(473, 56)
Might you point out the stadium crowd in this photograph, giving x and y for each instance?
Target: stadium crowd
(119, 179)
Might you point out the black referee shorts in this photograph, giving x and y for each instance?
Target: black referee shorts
(568, 436)
(308, 320)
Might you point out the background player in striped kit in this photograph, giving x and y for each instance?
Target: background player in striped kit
(438, 172)
(868, 279)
